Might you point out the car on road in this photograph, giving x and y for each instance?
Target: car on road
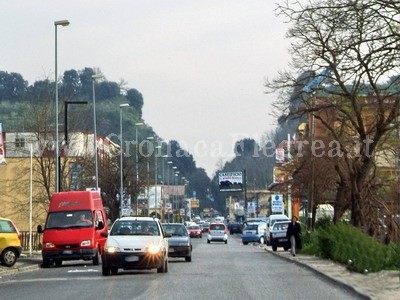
(277, 235)
(180, 243)
(254, 233)
(10, 243)
(195, 231)
(135, 243)
(234, 227)
(217, 233)
(271, 220)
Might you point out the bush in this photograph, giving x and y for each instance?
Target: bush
(348, 245)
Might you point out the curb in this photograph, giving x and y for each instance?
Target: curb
(318, 272)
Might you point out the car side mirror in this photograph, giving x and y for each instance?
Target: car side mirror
(100, 225)
(40, 229)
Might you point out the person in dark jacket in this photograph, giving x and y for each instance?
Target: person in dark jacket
(293, 234)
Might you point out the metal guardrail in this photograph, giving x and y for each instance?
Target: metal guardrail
(36, 240)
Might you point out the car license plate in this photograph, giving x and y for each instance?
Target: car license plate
(67, 252)
(131, 258)
(282, 240)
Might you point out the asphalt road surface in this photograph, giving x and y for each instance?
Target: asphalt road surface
(217, 271)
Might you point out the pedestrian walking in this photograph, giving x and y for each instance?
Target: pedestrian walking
(293, 234)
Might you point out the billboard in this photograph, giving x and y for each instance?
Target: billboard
(230, 181)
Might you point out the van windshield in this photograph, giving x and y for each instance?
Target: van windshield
(68, 219)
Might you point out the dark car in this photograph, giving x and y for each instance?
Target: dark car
(235, 227)
(179, 242)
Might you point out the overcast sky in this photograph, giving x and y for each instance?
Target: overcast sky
(200, 65)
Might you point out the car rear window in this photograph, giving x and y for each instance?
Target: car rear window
(7, 226)
(251, 227)
(217, 227)
(280, 226)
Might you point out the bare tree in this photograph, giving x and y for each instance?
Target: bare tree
(355, 44)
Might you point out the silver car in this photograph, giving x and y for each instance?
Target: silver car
(217, 233)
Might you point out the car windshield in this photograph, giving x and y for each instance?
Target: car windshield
(175, 230)
(135, 227)
(194, 227)
(68, 219)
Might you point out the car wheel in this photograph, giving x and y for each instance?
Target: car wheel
(9, 257)
(95, 259)
(163, 268)
(58, 263)
(208, 241)
(114, 271)
(274, 247)
(105, 270)
(189, 257)
(261, 241)
(201, 236)
(286, 248)
(46, 263)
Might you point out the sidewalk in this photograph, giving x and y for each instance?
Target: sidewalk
(384, 285)
(24, 263)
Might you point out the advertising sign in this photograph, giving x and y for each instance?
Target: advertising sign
(280, 155)
(277, 205)
(230, 181)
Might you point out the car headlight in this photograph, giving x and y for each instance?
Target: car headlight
(85, 243)
(111, 249)
(49, 245)
(153, 249)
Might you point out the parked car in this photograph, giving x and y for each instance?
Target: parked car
(217, 233)
(10, 243)
(271, 220)
(135, 243)
(179, 244)
(254, 233)
(234, 227)
(195, 231)
(277, 235)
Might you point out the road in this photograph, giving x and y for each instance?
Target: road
(217, 271)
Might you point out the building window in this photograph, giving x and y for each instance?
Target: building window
(20, 143)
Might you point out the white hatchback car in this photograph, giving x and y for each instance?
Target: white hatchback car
(135, 243)
(217, 233)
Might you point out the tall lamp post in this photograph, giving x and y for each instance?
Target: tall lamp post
(94, 78)
(121, 106)
(57, 156)
(66, 138)
(155, 178)
(137, 161)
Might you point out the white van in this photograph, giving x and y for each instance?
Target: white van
(271, 220)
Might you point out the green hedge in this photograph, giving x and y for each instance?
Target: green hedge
(350, 246)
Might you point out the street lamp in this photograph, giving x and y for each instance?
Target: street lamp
(94, 78)
(121, 106)
(66, 138)
(57, 158)
(137, 160)
(155, 178)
